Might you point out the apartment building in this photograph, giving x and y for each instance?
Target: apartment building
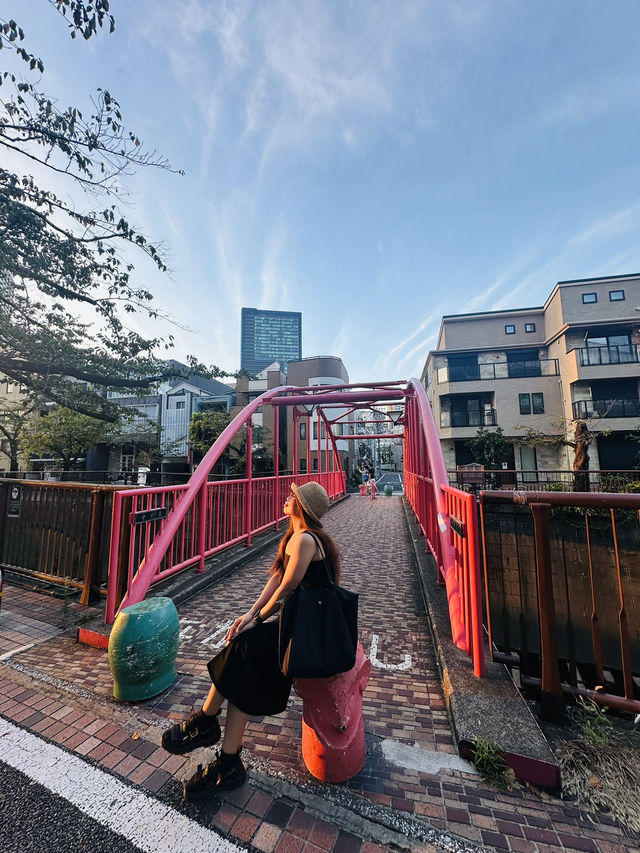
(576, 357)
(311, 441)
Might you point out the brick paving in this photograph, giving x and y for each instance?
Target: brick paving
(404, 704)
(28, 617)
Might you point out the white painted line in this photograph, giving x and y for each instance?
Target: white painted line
(424, 760)
(373, 656)
(144, 821)
(13, 652)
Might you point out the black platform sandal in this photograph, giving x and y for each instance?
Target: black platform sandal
(223, 774)
(199, 729)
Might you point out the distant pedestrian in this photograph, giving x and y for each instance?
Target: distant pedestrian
(246, 672)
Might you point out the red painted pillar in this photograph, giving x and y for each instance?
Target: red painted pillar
(333, 745)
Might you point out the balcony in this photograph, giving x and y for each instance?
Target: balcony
(500, 370)
(606, 408)
(468, 419)
(594, 356)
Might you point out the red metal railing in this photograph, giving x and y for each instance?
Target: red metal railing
(223, 524)
(463, 524)
(562, 577)
(157, 532)
(454, 546)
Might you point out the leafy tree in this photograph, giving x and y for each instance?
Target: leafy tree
(490, 449)
(64, 435)
(205, 427)
(57, 256)
(14, 415)
(579, 443)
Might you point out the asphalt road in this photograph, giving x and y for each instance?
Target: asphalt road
(34, 819)
(390, 478)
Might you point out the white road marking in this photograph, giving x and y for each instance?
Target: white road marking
(373, 656)
(423, 760)
(189, 626)
(219, 632)
(13, 652)
(146, 822)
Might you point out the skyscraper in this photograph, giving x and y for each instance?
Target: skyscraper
(269, 336)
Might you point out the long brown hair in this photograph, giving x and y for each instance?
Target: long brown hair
(330, 547)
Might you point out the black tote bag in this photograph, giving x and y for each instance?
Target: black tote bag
(318, 631)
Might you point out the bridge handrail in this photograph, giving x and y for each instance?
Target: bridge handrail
(469, 636)
(141, 582)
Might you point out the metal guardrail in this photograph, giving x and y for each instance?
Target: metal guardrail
(450, 538)
(497, 370)
(552, 480)
(56, 532)
(562, 583)
(232, 512)
(612, 408)
(595, 356)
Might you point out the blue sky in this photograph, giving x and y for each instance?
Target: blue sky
(372, 164)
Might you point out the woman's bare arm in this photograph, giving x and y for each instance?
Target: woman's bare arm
(245, 621)
(302, 552)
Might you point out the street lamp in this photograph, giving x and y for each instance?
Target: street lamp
(395, 415)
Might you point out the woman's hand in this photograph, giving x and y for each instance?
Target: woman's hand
(242, 623)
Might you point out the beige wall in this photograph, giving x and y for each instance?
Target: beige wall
(483, 332)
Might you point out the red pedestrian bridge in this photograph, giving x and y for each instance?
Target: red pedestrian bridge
(157, 532)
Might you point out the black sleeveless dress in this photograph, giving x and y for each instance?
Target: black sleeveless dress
(246, 671)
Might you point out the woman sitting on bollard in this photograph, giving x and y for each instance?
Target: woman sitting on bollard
(246, 672)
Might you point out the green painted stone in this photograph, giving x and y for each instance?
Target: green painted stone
(388, 490)
(142, 649)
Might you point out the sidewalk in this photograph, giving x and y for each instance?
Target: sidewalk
(414, 791)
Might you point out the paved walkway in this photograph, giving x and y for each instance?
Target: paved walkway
(413, 785)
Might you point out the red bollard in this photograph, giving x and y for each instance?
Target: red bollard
(333, 745)
(373, 490)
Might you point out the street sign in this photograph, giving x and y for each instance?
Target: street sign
(457, 526)
(15, 502)
(149, 515)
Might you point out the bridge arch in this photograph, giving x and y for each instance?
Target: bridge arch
(159, 531)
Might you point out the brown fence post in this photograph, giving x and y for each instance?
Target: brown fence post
(552, 705)
(93, 547)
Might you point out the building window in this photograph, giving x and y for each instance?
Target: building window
(315, 463)
(302, 466)
(315, 430)
(509, 330)
(303, 430)
(589, 297)
(537, 404)
(180, 404)
(531, 404)
(616, 296)
(529, 327)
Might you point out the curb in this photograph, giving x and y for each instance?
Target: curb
(490, 708)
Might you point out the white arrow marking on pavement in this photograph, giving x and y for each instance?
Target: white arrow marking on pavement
(186, 626)
(222, 630)
(146, 822)
(373, 656)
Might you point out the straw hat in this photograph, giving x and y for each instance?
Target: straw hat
(313, 499)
